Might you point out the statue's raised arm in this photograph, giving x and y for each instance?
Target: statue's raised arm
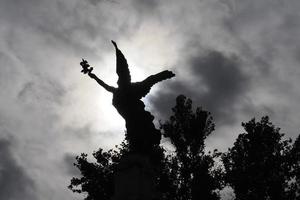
(102, 83)
(87, 69)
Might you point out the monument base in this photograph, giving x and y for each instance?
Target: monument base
(135, 179)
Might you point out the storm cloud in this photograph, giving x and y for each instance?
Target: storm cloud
(216, 82)
(236, 59)
(15, 183)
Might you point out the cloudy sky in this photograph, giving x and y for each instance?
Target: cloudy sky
(236, 58)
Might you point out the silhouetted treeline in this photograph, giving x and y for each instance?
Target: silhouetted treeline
(261, 165)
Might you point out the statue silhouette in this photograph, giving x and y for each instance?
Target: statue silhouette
(141, 132)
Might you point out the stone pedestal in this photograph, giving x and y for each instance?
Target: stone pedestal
(135, 179)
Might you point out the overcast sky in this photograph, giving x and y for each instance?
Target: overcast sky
(238, 59)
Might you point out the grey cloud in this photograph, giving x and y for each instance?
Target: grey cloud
(145, 5)
(27, 88)
(263, 28)
(96, 2)
(43, 91)
(61, 24)
(15, 184)
(69, 160)
(39, 38)
(75, 27)
(218, 85)
(164, 100)
(8, 66)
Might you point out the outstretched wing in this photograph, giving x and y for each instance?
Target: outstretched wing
(141, 89)
(122, 67)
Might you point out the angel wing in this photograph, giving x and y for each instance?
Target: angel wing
(122, 67)
(141, 89)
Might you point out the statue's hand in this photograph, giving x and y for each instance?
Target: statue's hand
(86, 68)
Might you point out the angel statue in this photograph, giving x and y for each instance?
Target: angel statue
(141, 132)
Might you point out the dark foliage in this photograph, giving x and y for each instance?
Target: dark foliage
(97, 178)
(191, 169)
(257, 166)
(294, 176)
(187, 174)
(260, 166)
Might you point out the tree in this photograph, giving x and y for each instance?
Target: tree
(186, 175)
(257, 165)
(97, 178)
(187, 131)
(294, 175)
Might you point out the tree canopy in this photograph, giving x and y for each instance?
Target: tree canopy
(261, 165)
(187, 131)
(257, 166)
